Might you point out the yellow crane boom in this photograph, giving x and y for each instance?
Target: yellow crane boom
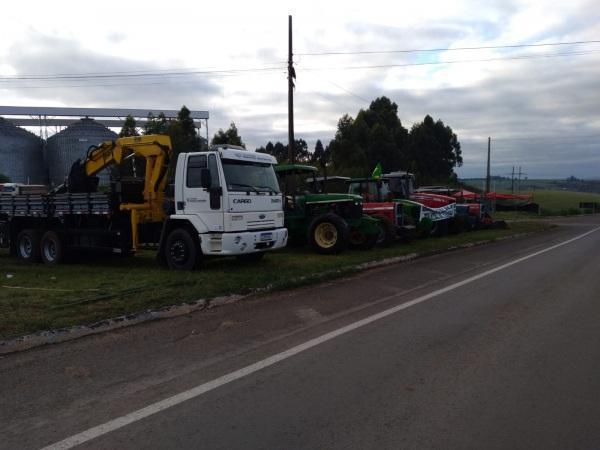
(157, 152)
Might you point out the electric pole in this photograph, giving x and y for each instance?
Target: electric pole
(291, 77)
(512, 181)
(487, 178)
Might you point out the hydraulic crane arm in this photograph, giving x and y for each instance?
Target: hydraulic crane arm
(157, 152)
(155, 149)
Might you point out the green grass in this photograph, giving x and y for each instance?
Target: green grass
(553, 203)
(35, 297)
(563, 200)
(534, 185)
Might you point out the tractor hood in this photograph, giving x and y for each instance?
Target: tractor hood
(332, 198)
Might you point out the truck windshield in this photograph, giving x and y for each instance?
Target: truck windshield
(249, 176)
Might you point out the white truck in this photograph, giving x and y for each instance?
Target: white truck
(225, 201)
(231, 198)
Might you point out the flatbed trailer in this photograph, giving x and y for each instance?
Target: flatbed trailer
(30, 225)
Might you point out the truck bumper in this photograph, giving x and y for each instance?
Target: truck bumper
(242, 243)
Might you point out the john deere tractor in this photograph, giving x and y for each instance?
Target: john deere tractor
(328, 222)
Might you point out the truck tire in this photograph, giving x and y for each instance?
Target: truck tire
(52, 248)
(181, 250)
(28, 245)
(387, 232)
(328, 234)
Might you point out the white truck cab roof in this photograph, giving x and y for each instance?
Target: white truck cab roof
(242, 154)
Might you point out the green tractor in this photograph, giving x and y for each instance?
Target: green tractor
(328, 222)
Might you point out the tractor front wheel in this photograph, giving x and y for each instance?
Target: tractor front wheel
(387, 231)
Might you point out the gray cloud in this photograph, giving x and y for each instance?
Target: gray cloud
(542, 114)
(43, 55)
(117, 37)
(537, 111)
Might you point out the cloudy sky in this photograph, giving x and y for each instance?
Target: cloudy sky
(539, 103)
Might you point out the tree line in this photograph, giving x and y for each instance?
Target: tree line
(430, 149)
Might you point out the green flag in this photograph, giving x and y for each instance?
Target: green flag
(376, 172)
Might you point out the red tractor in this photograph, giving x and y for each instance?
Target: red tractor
(391, 198)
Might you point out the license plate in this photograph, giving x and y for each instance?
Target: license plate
(266, 236)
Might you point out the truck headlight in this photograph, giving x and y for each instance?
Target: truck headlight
(280, 215)
(235, 218)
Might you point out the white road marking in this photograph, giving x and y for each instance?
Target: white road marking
(154, 408)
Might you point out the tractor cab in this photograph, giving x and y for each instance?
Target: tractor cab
(401, 184)
(333, 184)
(371, 190)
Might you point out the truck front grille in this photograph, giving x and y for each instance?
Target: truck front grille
(260, 224)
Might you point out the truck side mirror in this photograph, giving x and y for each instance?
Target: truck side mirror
(205, 178)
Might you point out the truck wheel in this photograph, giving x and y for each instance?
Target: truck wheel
(387, 232)
(181, 251)
(52, 248)
(256, 256)
(28, 245)
(360, 241)
(328, 234)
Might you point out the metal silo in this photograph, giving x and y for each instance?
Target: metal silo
(21, 154)
(72, 143)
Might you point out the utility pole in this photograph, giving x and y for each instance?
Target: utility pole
(519, 185)
(487, 178)
(512, 181)
(291, 77)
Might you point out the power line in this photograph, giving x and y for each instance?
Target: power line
(233, 72)
(137, 75)
(486, 47)
(144, 71)
(538, 138)
(458, 61)
(196, 71)
(162, 82)
(167, 73)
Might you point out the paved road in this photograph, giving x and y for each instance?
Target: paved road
(507, 360)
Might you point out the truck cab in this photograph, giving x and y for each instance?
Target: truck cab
(230, 200)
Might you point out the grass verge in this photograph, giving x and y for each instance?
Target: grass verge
(34, 297)
(552, 203)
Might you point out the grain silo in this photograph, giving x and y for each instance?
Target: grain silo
(21, 154)
(72, 143)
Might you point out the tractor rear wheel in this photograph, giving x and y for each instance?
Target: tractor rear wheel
(328, 234)
(440, 228)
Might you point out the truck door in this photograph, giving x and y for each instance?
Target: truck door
(204, 201)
